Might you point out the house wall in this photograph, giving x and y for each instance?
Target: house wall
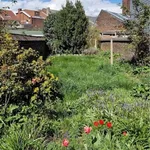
(119, 47)
(23, 18)
(30, 12)
(37, 23)
(106, 22)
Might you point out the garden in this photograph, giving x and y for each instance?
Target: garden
(76, 102)
(75, 99)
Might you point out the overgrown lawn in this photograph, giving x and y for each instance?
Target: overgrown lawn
(81, 73)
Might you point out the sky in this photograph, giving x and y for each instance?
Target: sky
(91, 7)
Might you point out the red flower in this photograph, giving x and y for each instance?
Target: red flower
(96, 123)
(87, 129)
(109, 124)
(124, 133)
(65, 143)
(101, 122)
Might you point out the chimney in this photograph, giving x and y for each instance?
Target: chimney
(126, 7)
(47, 11)
(19, 10)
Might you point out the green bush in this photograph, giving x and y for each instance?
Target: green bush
(66, 31)
(27, 90)
(142, 90)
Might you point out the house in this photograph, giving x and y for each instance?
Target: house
(32, 18)
(110, 22)
(8, 17)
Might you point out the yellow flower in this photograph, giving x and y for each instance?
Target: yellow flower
(36, 90)
(52, 76)
(56, 79)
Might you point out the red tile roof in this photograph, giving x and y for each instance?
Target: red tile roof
(31, 13)
(8, 15)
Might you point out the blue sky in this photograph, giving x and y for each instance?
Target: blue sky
(116, 1)
(92, 7)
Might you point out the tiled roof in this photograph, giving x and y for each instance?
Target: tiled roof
(8, 15)
(43, 14)
(31, 13)
(25, 13)
(118, 16)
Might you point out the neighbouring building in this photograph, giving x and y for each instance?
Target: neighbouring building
(37, 43)
(8, 17)
(32, 18)
(110, 22)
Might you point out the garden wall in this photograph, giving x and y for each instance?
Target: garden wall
(120, 46)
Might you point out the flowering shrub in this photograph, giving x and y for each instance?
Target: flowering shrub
(26, 87)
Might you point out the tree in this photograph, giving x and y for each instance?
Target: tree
(27, 89)
(138, 28)
(93, 36)
(67, 30)
(49, 31)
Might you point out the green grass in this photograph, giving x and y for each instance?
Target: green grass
(79, 74)
(93, 90)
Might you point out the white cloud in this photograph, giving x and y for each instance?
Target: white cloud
(92, 7)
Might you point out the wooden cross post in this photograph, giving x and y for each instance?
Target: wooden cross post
(111, 51)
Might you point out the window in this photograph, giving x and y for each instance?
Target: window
(37, 13)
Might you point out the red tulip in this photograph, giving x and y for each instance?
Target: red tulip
(87, 129)
(96, 123)
(109, 124)
(124, 133)
(101, 122)
(65, 143)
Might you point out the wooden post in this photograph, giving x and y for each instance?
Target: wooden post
(111, 51)
(95, 43)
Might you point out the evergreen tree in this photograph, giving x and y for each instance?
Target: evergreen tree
(70, 29)
(49, 31)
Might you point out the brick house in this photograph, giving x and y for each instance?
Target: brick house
(110, 21)
(8, 16)
(32, 18)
